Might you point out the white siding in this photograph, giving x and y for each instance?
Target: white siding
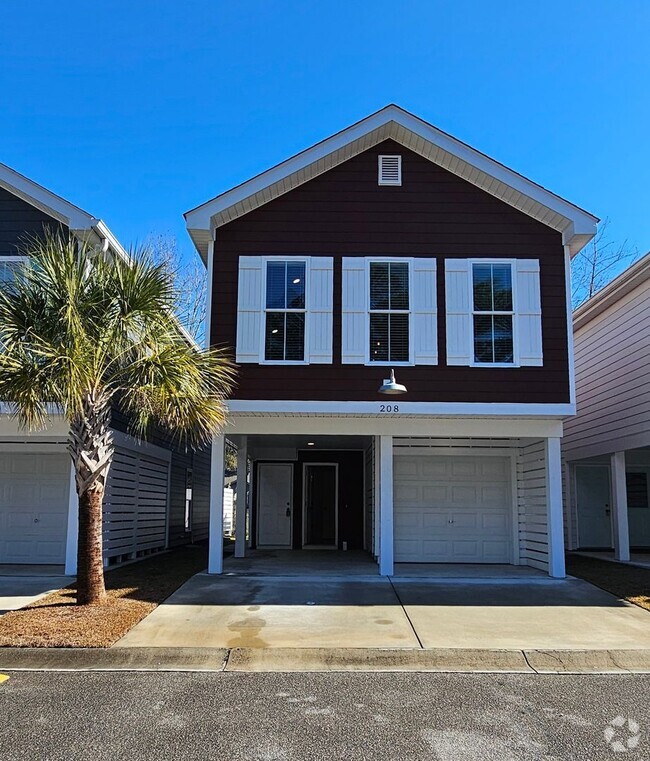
(612, 353)
(531, 504)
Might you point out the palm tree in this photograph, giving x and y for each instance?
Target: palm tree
(82, 333)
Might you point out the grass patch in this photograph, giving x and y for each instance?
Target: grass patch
(625, 581)
(133, 591)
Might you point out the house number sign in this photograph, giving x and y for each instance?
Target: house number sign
(389, 407)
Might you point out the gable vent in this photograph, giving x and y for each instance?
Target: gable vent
(390, 170)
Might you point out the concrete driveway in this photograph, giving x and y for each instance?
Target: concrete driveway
(20, 586)
(320, 612)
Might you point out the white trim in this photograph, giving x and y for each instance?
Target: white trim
(406, 409)
(399, 169)
(577, 226)
(264, 310)
(569, 325)
(368, 260)
(72, 535)
(208, 296)
(304, 545)
(258, 492)
(554, 508)
(41, 198)
(375, 492)
(386, 540)
(215, 526)
(513, 314)
(242, 487)
(620, 517)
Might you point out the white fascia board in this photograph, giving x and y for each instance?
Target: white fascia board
(406, 409)
(45, 200)
(579, 227)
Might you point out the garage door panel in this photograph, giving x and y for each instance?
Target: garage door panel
(33, 507)
(463, 513)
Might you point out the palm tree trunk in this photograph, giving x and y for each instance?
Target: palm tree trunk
(91, 448)
(90, 561)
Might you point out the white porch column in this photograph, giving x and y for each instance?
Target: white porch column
(215, 531)
(240, 514)
(375, 508)
(385, 456)
(72, 536)
(619, 506)
(554, 511)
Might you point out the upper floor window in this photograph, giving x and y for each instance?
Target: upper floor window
(8, 267)
(389, 312)
(493, 313)
(285, 311)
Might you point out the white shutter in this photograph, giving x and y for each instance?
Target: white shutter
(424, 330)
(320, 303)
(249, 309)
(353, 351)
(528, 333)
(458, 312)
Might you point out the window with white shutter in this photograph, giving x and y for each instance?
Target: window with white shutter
(284, 310)
(494, 315)
(389, 311)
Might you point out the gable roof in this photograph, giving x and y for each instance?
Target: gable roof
(635, 275)
(80, 222)
(392, 122)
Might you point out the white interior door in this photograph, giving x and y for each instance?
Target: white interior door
(33, 507)
(452, 509)
(594, 507)
(274, 508)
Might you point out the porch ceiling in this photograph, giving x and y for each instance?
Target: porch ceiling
(303, 442)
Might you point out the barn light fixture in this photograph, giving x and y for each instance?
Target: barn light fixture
(391, 386)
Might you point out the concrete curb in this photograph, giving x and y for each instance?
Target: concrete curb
(288, 660)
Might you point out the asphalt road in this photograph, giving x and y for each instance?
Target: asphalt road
(461, 717)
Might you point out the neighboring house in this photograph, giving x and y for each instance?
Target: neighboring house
(147, 505)
(392, 245)
(607, 445)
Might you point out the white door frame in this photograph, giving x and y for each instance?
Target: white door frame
(306, 546)
(258, 494)
(509, 453)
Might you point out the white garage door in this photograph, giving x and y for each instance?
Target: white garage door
(33, 507)
(452, 509)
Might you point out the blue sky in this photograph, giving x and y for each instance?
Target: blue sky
(138, 111)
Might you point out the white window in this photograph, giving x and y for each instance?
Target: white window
(389, 313)
(284, 310)
(8, 267)
(390, 170)
(493, 313)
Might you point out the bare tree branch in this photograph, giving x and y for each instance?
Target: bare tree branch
(598, 264)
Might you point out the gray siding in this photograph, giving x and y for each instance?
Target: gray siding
(612, 354)
(532, 505)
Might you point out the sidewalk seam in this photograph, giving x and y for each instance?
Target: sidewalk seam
(408, 618)
(226, 660)
(528, 663)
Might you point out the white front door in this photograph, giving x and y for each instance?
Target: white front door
(594, 507)
(274, 508)
(33, 507)
(452, 509)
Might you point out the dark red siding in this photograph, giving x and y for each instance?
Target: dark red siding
(344, 212)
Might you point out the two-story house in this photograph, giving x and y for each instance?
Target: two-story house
(157, 493)
(392, 246)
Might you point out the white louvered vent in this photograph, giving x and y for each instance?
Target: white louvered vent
(390, 170)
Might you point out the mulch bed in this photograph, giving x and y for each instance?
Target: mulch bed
(625, 581)
(133, 591)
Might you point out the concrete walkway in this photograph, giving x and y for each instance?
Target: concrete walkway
(20, 585)
(262, 612)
